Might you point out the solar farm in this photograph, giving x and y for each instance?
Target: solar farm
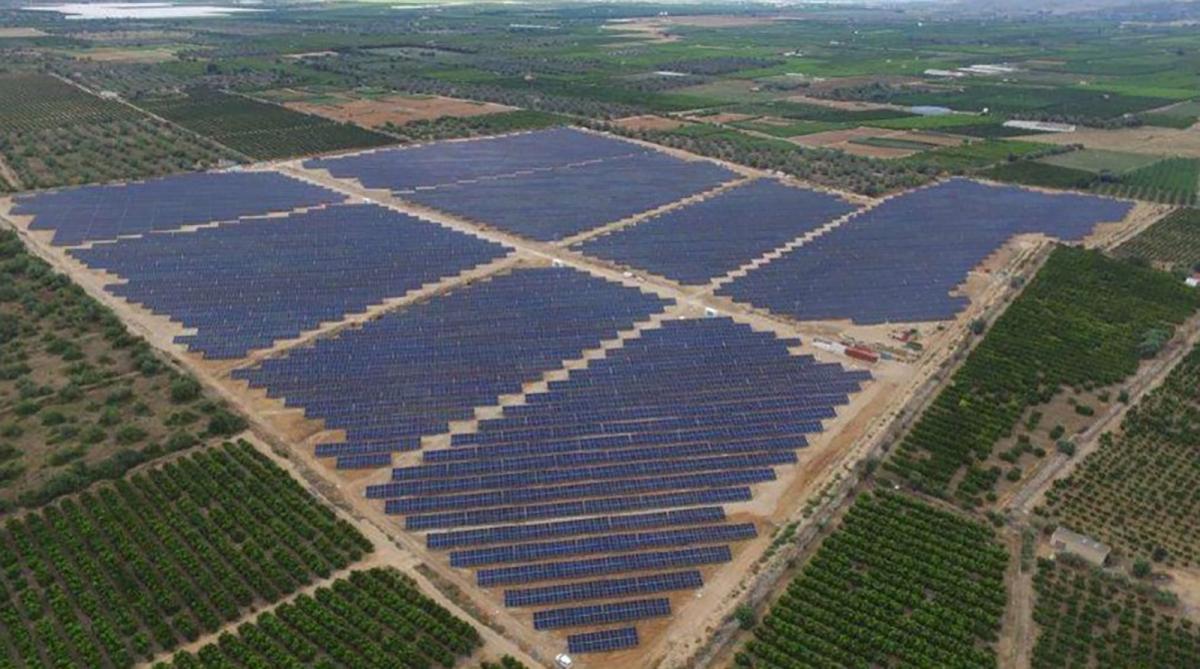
(584, 380)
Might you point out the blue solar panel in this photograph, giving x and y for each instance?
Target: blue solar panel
(609, 543)
(245, 285)
(603, 641)
(441, 163)
(603, 589)
(559, 203)
(601, 614)
(89, 213)
(697, 242)
(899, 261)
(612, 564)
(412, 371)
(602, 524)
(587, 507)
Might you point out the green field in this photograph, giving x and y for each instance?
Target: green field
(1078, 324)
(1173, 241)
(54, 134)
(1038, 173)
(260, 130)
(898, 584)
(1098, 160)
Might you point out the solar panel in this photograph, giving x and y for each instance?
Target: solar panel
(601, 614)
(597, 525)
(412, 371)
(245, 285)
(697, 242)
(555, 204)
(90, 213)
(603, 589)
(611, 564)
(900, 261)
(603, 641)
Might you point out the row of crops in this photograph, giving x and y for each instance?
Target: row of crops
(374, 618)
(1172, 241)
(82, 399)
(261, 130)
(54, 134)
(1088, 618)
(1138, 491)
(1080, 323)
(138, 567)
(1169, 181)
(899, 584)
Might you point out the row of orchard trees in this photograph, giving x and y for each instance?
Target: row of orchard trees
(373, 619)
(138, 567)
(1079, 323)
(900, 583)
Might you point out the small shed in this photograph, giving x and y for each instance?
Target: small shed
(1091, 550)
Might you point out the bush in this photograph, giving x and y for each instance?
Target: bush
(744, 615)
(184, 390)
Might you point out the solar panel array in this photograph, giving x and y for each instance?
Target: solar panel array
(695, 243)
(554, 204)
(899, 261)
(440, 163)
(619, 468)
(602, 642)
(91, 213)
(410, 372)
(247, 284)
(601, 614)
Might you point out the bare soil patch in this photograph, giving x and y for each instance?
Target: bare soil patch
(649, 122)
(22, 32)
(394, 109)
(116, 55)
(1146, 139)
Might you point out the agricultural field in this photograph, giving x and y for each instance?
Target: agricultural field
(54, 134)
(1173, 241)
(1082, 324)
(1089, 618)
(81, 398)
(1036, 173)
(260, 130)
(450, 127)
(373, 618)
(129, 570)
(1099, 161)
(899, 583)
(1172, 181)
(1137, 491)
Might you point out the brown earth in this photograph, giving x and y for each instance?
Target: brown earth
(649, 122)
(1146, 139)
(395, 109)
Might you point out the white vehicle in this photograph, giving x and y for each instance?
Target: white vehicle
(563, 661)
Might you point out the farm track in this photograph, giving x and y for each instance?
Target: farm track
(1021, 501)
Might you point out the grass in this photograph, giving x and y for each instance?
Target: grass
(1034, 173)
(1100, 160)
(894, 143)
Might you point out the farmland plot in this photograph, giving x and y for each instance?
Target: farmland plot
(374, 618)
(141, 566)
(260, 130)
(1088, 618)
(80, 398)
(1137, 492)
(898, 584)
(54, 134)
(1172, 241)
(1081, 322)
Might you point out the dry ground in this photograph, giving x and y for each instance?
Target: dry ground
(671, 642)
(1146, 139)
(394, 109)
(648, 122)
